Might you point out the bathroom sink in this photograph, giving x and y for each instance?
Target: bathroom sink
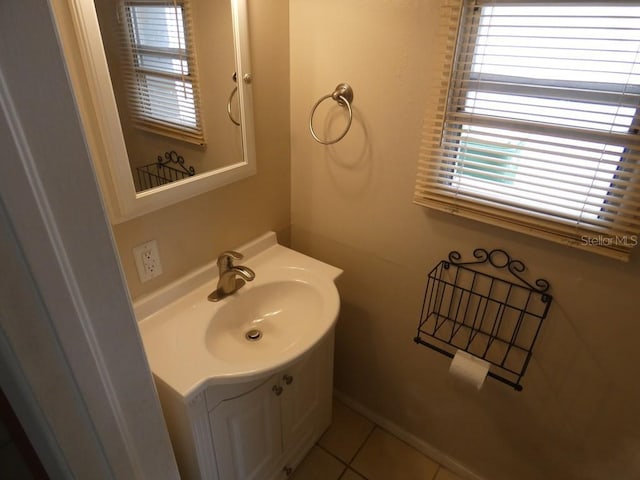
(268, 323)
(262, 322)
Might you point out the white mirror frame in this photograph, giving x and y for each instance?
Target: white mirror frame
(79, 33)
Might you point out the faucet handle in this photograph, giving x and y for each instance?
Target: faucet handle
(225, 259)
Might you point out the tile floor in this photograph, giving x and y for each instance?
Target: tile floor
(354, 448)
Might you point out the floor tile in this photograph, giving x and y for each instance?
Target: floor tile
(319, 465)
(347, 432)
(351, 475)
(385, 457)
(444, 474)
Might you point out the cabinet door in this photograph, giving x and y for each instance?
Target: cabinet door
(306, 400)
(247, 433)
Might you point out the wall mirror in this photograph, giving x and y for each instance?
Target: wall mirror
(196, 104)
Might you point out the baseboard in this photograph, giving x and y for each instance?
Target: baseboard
(423, 447)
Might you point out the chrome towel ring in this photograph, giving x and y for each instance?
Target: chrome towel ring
(234, 77)
(247, 79)
(343, 94)
(233, 92)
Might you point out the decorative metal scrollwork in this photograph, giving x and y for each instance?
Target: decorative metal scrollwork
(493, 318)
(173, 157)
(500, 259)
(163, 171)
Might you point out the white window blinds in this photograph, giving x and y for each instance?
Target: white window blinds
(161, 76)
(534, 125)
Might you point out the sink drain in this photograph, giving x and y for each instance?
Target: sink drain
(253, 335)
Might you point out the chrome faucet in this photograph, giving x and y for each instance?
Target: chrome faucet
(228, 282)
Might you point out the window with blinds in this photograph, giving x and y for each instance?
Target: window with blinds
(535, 126)
(161, 76)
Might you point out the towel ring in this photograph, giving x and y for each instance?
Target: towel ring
(247, 79)
(343, 94)
(233, 92)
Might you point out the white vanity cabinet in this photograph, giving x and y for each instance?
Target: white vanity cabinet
(247, 433)
(245, 383)
(258, 430)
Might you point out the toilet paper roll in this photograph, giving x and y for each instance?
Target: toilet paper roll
(468, 368)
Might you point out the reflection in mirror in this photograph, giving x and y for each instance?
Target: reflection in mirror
(172, 67)
(225, 154)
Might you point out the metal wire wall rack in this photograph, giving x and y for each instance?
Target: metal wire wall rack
(165, 171)
(496, 319)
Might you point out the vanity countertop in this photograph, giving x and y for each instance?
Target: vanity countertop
(192, 343)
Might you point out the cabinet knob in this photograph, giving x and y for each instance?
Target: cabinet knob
(288, 379)
(277, 389)
(287, 471)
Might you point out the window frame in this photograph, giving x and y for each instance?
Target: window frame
(450, 79)
(516, 85)
(150, 114)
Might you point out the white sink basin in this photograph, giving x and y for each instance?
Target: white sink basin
(263, 322)
(268, 323)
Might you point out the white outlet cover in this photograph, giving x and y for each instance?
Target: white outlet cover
(147, 259)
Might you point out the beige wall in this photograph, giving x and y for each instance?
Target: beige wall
(195, 231)
(578, 416)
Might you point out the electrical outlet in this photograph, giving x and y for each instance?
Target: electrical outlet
(147, 260)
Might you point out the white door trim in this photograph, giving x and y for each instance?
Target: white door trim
(54, 209)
